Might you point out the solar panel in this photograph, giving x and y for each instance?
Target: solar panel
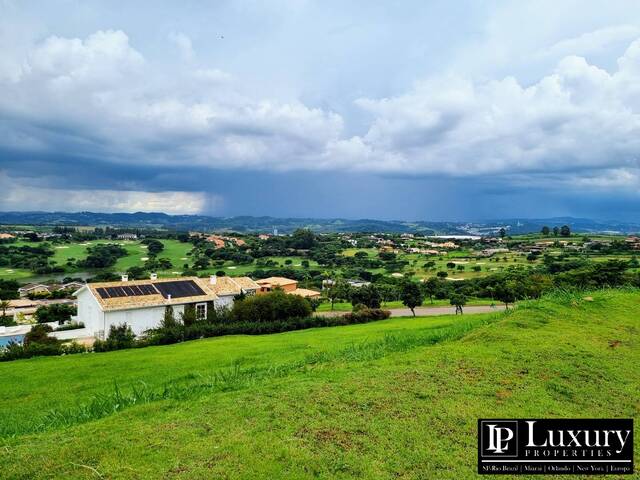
(126, 291)
(179, 289)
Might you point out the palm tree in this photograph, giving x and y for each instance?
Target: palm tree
(4, 304)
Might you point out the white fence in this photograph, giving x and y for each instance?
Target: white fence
(62, 335)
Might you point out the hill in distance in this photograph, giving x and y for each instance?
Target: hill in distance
(287, 225)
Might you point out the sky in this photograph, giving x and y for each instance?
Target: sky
(411, 110)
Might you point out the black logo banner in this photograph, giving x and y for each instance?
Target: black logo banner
(555, 446)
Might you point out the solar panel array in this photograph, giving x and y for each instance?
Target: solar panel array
(127, 291)
(179, 289)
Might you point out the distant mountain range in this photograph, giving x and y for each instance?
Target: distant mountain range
(287, 225)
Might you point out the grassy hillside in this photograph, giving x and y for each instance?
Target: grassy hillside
(392, 399)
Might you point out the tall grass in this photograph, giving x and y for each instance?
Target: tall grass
(238, 377)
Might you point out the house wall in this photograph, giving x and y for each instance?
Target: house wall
(224, 301)
(289, 288)
(140, 319)
(89, 312)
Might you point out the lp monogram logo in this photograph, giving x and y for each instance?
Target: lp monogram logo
(499, 438)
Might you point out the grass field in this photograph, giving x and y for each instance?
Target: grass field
(393, 399)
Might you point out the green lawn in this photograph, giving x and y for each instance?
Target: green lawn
(393, 399)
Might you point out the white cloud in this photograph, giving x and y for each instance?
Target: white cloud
(593, 42)
(183, 42)
(578, 117)
(101, 97)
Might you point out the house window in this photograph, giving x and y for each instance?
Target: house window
(201, 311)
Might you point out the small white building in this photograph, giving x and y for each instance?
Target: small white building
(142, 303)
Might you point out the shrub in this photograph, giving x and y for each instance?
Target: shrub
(57, 312)
(120, 336)
(70, 326)
(6, 321)
(271, 307)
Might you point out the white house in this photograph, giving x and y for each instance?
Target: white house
(142, 303)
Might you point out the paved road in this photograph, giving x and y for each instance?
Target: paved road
(426, 311)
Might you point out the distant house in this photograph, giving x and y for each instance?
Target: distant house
(127, 236)
(141, 304)
(287, 285)
(71, 286)
(216, 240)
(489, 252)
(32, 288)
(6, 236)
(220, 241)
(633, 242)
(39, 288)
(21, 307)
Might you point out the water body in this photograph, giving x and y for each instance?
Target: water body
(457, 237)
(4, 341)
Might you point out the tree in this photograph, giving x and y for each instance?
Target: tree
(154, 247)
(389, 293)
(429, 265)
(451, 265)
(506, 292)
(556, 231)
(315, 303)
(565, 231)
(411, 296)
(39, 334)
(442, 274)
(502, 232)
(430, 287)
(275, 306)
(169, 319)
(9, 289)
(137, 272)
(367, 295)
(545, 231)
(5, 304)
(458, 300)
(56, 312)
(339, 290)
(302, 239)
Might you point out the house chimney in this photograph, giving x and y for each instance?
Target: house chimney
(154, 276)
(168, 296)
(213, 279)
(125, 278)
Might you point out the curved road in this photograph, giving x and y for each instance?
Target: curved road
(426, 311)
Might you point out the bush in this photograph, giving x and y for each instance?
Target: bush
(15, 351)
(70, 326)
(366, 315)
(57, 312)
(271, 307)
(120, 336)
(7, 321)
(206, 329)
(37, 343)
